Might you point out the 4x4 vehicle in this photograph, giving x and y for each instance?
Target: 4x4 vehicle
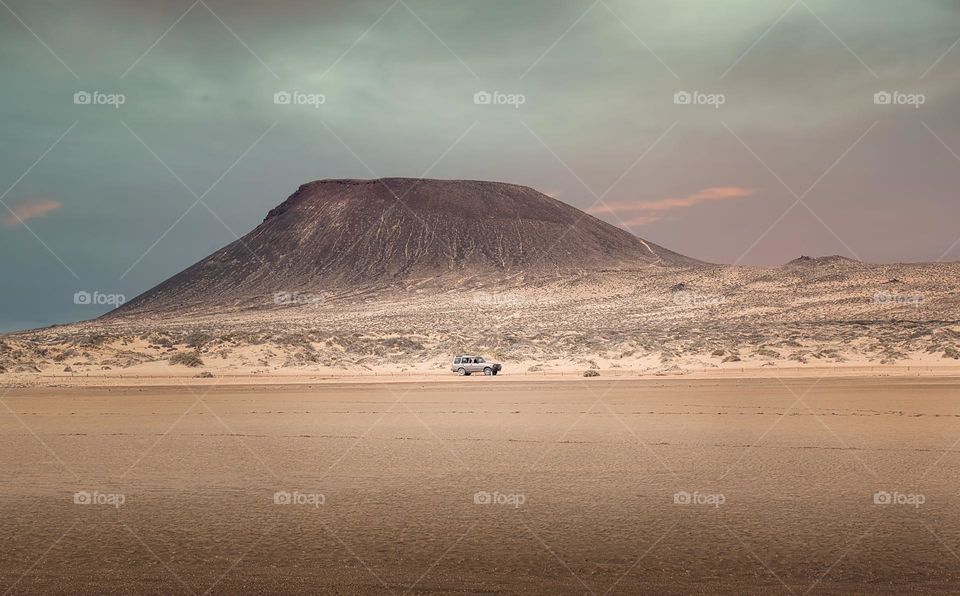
(466, 365)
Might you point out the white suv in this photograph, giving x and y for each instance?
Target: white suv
(466, 365)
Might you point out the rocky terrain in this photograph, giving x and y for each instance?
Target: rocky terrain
(372, 234)
(396, 274)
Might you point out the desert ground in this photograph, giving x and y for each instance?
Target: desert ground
(813, 313)
(484, 485)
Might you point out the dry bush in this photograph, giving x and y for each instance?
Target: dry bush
(190, 359)
(198, 339)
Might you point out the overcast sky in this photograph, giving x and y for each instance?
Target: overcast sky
(782, 150)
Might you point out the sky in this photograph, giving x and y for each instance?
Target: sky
(139, 137)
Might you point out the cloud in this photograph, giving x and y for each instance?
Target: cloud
(638, 214)
(25, 210)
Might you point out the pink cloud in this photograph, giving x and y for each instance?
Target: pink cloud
(638, 214)
(641, 220)
(25, 210)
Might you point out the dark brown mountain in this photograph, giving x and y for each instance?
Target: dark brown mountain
(378, 233)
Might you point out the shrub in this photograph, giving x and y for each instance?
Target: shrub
(198, 339)
(591, 373)
(94, 340)
(191, 359)
(68, 353)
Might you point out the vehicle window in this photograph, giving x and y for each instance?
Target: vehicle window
(480, 360)
(456, 361)
(466, 361)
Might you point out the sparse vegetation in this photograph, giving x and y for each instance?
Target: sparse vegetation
(198, 339)
(93, 340)
(190, 359)
(591, 373)
(585, 324)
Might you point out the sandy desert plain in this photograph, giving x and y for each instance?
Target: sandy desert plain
(777, 485)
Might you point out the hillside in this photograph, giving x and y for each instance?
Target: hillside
(336, 234)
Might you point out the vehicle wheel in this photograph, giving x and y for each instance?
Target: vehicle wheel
(461, 371)
(488, 371)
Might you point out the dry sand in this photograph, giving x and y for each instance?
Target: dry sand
(596, 463)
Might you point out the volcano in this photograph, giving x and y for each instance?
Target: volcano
(384, 232)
